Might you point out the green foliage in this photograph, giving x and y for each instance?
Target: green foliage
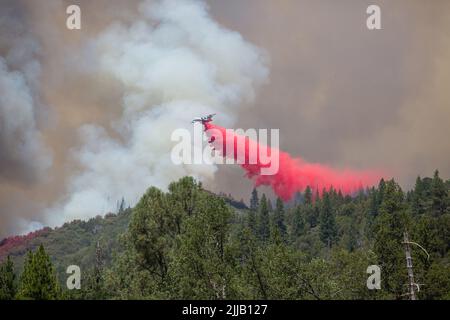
(374, 204)
(308, 195)
(438, 280)
(152, 227)
(390, 226)
(421, 201)
(210, 253)
(254, 200)
(439, 195)
(348, 273)
(263, 219)
(200, 265)
(75, 243)
(279, 218)
(328, 229)
(93, 285)
(312, 213)
(188, 243)
(298, 223)
(251, 221)
(269, 205)
(38, 280)
(7, 280)
(254, 206)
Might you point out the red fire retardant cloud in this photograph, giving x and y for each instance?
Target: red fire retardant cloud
(294, 174)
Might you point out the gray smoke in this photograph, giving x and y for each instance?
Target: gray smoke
(174, 63)
(99, 104)
(24, 159)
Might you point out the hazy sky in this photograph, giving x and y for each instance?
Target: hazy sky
(339, 93)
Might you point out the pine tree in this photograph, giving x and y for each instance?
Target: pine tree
(251, 221)
(7, 280)
(254, 201)
(298, 223)
(154, 225)
(308, 195)
(269, 205)
(199, 268)
(93, 285)
(38, 280)
(439, 195)
(340, 197)
(98, 262)
(417, 206)
(381, 190)
(328, 228)
(313, 212)
(352, 242)
(252, 256)
(279, 218)
(254, 205)
(373, 200)
(392, 222)
(263, 220)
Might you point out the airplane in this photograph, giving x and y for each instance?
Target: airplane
(204, 119)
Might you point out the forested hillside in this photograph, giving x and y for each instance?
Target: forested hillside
(188, 243)
(72, 243)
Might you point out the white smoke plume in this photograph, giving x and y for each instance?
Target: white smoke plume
(174, 63)
(20, 140)
(23, 157)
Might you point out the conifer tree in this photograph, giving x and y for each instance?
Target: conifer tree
(93, 286)
(417, 197)
(381, 190)
(254, 205)
(308, 195)
(199, 267)
(263, 220)
(38, 280)
(328, 228)
(390, 225)
(439, 195)
(279, 218)
(254, 201)
(373, 202)
(298, 223)
(251, 221)
(269, 205)
(7, 280)
(352, 242)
